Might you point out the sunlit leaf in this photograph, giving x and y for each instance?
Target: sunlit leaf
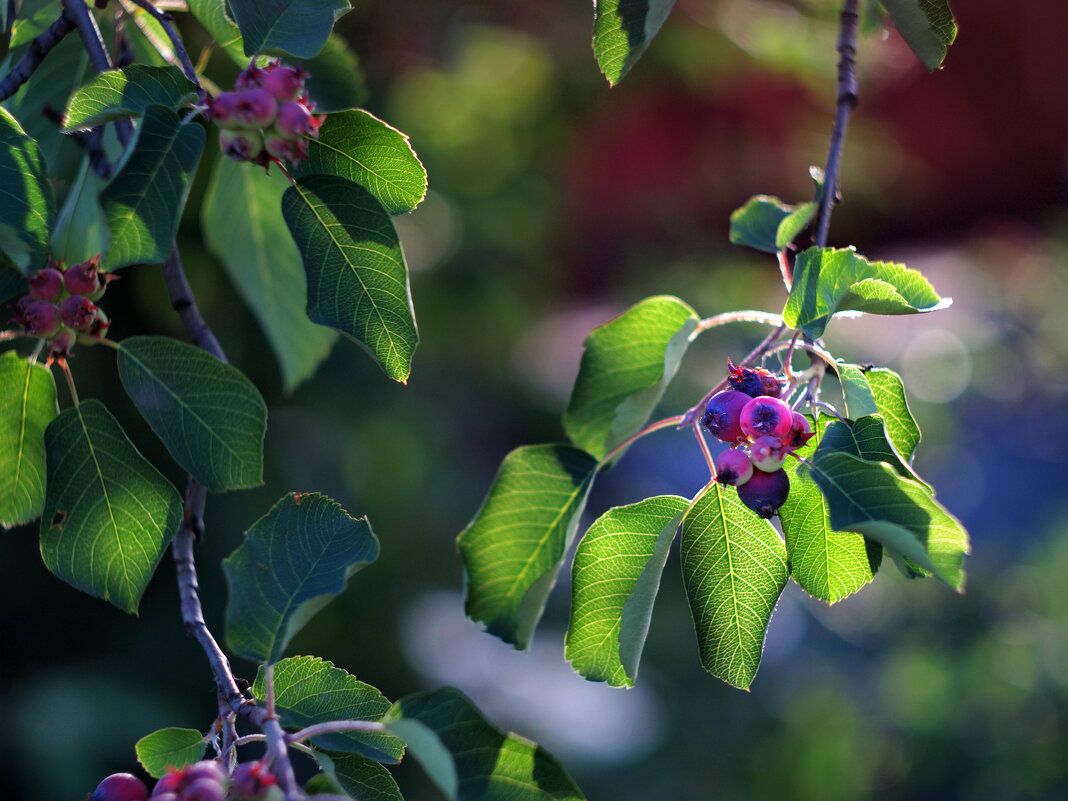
(767, 223)
(889, 394)
(622, 30)
(866, 438)
(361, 778)
(116, 94)
(169, 748)
(214, 16)
(27, 406)
(27, 208)
(81, 230)
(926, 25)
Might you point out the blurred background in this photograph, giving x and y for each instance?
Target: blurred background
(555, 203)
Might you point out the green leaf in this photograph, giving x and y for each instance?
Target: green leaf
(241, 218)
(355, 775)
(117, 94)
(767, 223)
(827, 281)
(27, 406)
(357, 278)
(208, 414)
(870, 498)
(614, 581)
(515, 546)
(108, 514)
(827, 564)
(362, 148)
(144, 201)
(169, 748)
(626, 366)
(889, 394)
(293, 561)
(622, 30)
(927, 26)
(472, 760)
(734, 568)
(297, 27)
(81, 230)
(859, 400)
(212, 15)
(867, 439)
(27, 209)
(310, 690)
(336, 80)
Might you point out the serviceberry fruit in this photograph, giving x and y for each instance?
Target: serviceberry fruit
(120, 787)
(753, 381)
(204, 789)
(62, 342)
(222, 109)
(241, 145)
(767, 453)
(205, 769)
(733, 467)
(295, 120)
(765, 492)
(255, 108)
(283, 81)
(77, 312)
(171, 782)
(251, 780)
(46, 283)
(285, 149)
(84, 278)
(800, 432)
(722, 414)
(251, 77)
(765, 416)
(41, 319)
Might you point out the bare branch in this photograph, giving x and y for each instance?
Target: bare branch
(39, 48)
(164, 19)
(182, 302)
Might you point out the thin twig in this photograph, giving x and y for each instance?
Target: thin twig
(827, 408)
(182, 302)
(39, 48)
(164, 20)
(667, 422)
(847, 100)
(744, 316)
(334, 726)
(62, 362)
(704, 447)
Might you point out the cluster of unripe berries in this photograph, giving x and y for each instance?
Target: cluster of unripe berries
(267, 117)
(60, 304)
(761, 430)
(201, 781)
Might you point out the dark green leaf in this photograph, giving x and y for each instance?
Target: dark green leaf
(614, 581)
(872, 499)
(27, 209)
(767, 223)
(241, 218)
(212, 14)
(208, 414)
(889, 394)
(356, 775)
(310, 690)
(293, 561)
(117, 94)
(827, 564)
(27, 406)
(859, 400)
(169, 748)
(515, 546)
(734, 567)
(297, 27)
(827, 281)
(472, 760)
(108, 514)
(81, 230)
(622, 30)
(867, 439)
(144, 200)
(926, 25)
(626, 366)
(357, 278)
(336, 80)
(362, 148)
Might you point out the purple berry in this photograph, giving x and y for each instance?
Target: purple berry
(120, 787)
(295, 120)
(205, 769)
(766, 416)
(722, 413)
(77, 312)
(764, 492)
(800, 432)
(241, 145)
(733, 467)
(41, 319)
(172, 782)
(286, 149)
(767, 453)
(251, 780)
(84, 278)
(46, 283)
(283, 81)
(222, 109)
(753, 381)
(255, 108)
(204, 789)
(250, 78)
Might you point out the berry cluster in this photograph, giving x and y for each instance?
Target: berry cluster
(60, 304)
(202, 781)
(761, 430)
(267, 117)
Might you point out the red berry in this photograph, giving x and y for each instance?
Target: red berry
(251, 780)
(283, 81)
(204, 789)
(241, 145)
(767, 453)
(753, 381)
(223, 109)
(77, 312)
(764, 492)
(205, 769)
(800, 432)
(255, 108)
(733, 467)
(120, 787)
(83, 279)
(41, 319)
(295, 120)
(722, 414)
(173, 781)
(286, 149)
(251, 77)
(766, 416)
(46, 283)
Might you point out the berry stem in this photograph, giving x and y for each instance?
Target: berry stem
(62, 362)
(807, 346)
(784, 269)
(333, 726)
(704, 448)
(745, 316)
(826, 407)
(667, 422)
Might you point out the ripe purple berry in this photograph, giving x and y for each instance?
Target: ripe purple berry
(251, 780)
(204, 789)
(733, 467)
(766, 416)
(283, 81)
(255, 108)
(753, 381)
(250, 78)
(765, 492)
(722, 414)
(241, 145)
(41, 319)
(286, 149)
(172, 782)
(223, 109)
(120, 787)
(295, 120)
(46, 283)
(77, 312)
(767, 453)
(205, 769)
(800, 432)
(84, 278)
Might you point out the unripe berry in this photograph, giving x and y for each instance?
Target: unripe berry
(722, 414)
(46, 283)
(255, 108)
(800, 432)
(295, 120)
(204, 789)
(83, 279)
(120, 787)
(223, 109)
(764, 492)
(766, 416)
(77, 312)
(767, 453)
(251, 780)
(733, 467)
(286, 149)
(753, 381)
(41, 319)
(283, 81)
(241, 145)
